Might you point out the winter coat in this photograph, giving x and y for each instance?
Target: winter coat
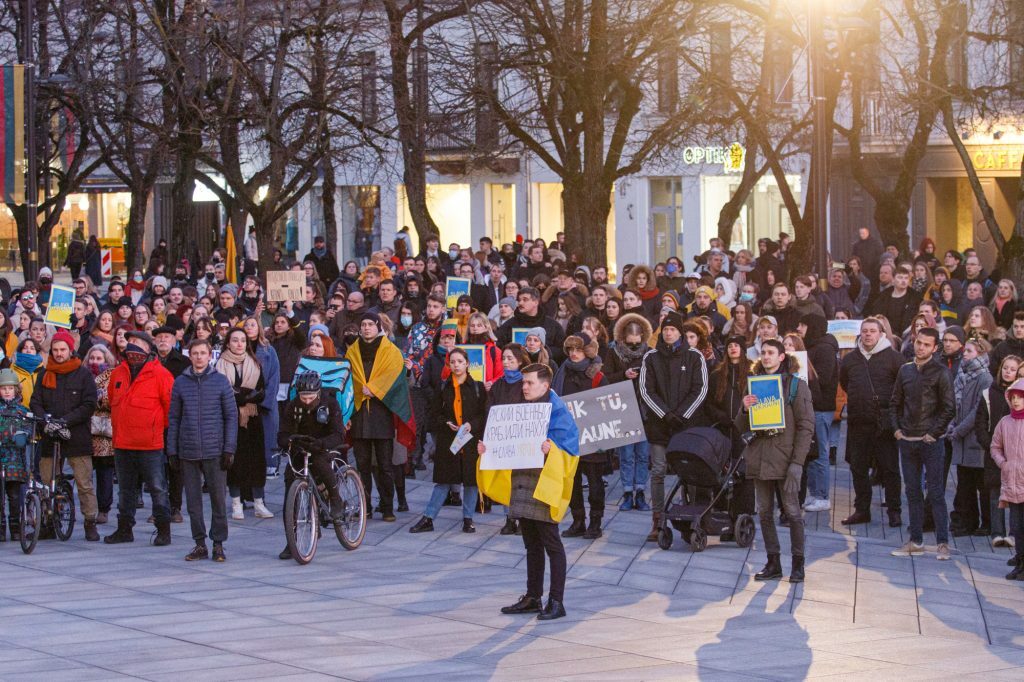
(460, 468)
(991, 408)
(27, 380)
(868, 381)
(967, 451)
(203, 417)
(554, 334)
(139, 407)
(673, 381)
(102, 446)
(768, 456)
(175, 363)
(299, 419)
(74, 401)
(822, 353)
(1008, 454)
(575, 381)
(619, 358)
(13, 459)
(722, 412)
(899, 311)
(373, 419)
(522, 503)
(289, 349)
(922, 400)
(505, 393)
(1008, 346)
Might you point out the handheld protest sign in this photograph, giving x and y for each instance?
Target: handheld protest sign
(62, 305)
(455, 287)
(476, 361)
(769, 412)
(513, 436)
(607, 417)
(845, 331)
(519, 335)
(286, 285)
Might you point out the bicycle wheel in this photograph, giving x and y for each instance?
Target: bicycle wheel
(31, 521)
(63, 508)
(351, 532)
(301, 521)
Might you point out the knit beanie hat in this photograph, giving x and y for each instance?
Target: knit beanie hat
(958, 332)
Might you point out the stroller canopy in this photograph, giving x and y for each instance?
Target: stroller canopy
(705, 442)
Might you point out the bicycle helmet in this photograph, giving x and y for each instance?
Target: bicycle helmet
(308, 382)
(8, 378)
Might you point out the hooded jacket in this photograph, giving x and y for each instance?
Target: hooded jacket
(1008, 346)
(868, 378)
(822, 353)
(673, 386)
(1008, 453)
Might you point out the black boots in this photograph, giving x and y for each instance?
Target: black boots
(553, 610)
(526, 604)
(122, 534)
(91, 534)
(797, 574)
(594, 529)
(578, 527)
(467, 526)
(772, 570)
(424, 525)
(510, 527)
(163, 534)
(1018, 570)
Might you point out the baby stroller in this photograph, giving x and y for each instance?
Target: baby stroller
(700, 457)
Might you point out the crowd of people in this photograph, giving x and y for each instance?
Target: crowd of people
(180, 383)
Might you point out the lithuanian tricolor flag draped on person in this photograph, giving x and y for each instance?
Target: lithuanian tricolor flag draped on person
(556, 478)
(388, 383)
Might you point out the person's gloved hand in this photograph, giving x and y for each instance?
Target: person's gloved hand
(226, 460)
(674, 422)
(793, 475)
(173, 463)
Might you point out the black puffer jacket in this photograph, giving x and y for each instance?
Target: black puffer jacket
(74, 401)
(822, 353)
(203, 419)
(673, 387)
(922, 400)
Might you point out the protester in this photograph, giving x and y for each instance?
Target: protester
(1008, 455)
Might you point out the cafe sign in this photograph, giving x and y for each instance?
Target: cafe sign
(997, 158)
(731, 158)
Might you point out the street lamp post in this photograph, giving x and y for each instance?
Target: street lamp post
(820, 163)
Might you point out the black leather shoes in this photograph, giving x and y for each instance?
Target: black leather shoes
(856, 518)
(895, 521)
(467, 526)
(285, 554)
(553, 610)
(424, 525)
(526, 604)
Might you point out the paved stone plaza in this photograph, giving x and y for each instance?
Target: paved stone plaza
(420, 606)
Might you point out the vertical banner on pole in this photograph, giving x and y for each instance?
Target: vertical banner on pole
(12, 146)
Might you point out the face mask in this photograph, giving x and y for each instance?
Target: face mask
(209, 277)
(45, 280)
(671, 268)
(137, 278)
(746, 296)
(406, 320)
(453, 254)
(633, 346)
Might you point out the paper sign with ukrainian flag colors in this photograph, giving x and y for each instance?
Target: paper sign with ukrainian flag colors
(769, 412)
(519, 335)
(62, 304)
(455, 287)
(476, 361)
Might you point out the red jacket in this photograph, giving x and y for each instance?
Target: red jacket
(139, 408)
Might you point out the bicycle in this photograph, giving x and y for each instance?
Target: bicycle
(48, 503)
(307, 505)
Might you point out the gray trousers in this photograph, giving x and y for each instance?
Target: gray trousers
(659, 466)
(765, 491)
(194, 471)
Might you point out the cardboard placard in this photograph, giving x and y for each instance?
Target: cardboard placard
(286, 285)
(476, 361)
(770, 411)
(61, 306)
(513, 436)
(455, 287)
(845, 331)
(519, 335)
(607, 417)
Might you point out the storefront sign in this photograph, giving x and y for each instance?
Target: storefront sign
(731, 158)
(997, 158)
(607, 417)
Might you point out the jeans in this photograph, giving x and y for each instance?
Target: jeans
(104, 468)
(193, 472)
(917, 458)
(765, 491)
(540, 537)
(236, 491)
(659, 465)
(440, 493)
(133, 468)
(634, 466)
(818, 469)
(864, 444)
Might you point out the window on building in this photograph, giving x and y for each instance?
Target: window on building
(668, 80)
(368, 86)
(720, 34)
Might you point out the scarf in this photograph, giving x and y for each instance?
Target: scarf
(320, 252)
(53, 368)
(969, 372)
(513, 376)
(629, 355)
(648, 294)
(106, 337)
(457, 402)
(232, 365)
(558, 383)
(28, 361)
(132, 285)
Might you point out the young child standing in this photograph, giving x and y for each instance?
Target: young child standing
(13, 436)
(1008, 454)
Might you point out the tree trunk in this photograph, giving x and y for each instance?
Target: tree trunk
(265, 229)
(891, 220)
(1013, 252)
(328, 190)
(136, 229)
(19, 211)
(972, 178)
(183, 212)
(586, 206)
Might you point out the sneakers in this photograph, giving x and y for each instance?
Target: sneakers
(218, 553)
(176, 516)
(627, 501)
(639, 503)
(809, 502)
(819, 505)
(198, 553)
(911, 548)
(1000, 541)
(236, 509)
(261, 510)
(942, 553)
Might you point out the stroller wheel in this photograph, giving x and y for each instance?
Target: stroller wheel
(744, 530)
(665, 538)
(698, 540)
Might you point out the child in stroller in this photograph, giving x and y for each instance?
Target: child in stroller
(708, 477)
